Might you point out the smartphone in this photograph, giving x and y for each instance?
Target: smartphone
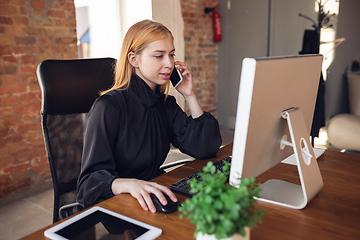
(175, 77)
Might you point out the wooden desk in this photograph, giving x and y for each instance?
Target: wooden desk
(333, 214)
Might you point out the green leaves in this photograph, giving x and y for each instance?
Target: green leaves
(219, 208)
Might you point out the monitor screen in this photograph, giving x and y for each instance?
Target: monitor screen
(268, 86)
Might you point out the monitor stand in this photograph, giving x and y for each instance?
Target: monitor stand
(288, 194)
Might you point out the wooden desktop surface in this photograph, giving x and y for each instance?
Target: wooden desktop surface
(333, 214)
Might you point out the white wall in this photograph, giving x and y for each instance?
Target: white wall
(82, 21)
(104, 28)
(255, 28)
(348, 28)
(169, 13)
(287, 28)
(245, 34)
(133, 11)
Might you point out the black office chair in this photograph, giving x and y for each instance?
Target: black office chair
(69, 88)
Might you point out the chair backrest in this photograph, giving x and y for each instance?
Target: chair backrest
(69, 88)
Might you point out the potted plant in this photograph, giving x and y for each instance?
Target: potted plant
(220, 209)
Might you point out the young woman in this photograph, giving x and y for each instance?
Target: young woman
(130, 126)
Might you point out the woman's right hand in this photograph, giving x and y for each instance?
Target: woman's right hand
(141, 190)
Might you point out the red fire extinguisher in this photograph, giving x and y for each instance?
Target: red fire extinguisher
(216, 26)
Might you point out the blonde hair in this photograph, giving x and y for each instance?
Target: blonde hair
(136, 39)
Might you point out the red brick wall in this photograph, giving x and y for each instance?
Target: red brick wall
(201, 51)
(30, 32)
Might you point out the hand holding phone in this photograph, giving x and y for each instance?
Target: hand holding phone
(175, 77)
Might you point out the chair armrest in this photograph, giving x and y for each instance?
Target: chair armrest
(176, 163)
(68, 209)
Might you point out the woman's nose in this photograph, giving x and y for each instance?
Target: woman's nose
(168, 61)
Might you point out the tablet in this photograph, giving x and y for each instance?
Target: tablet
(99, 223)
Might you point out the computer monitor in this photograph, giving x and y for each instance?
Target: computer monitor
(275, 109)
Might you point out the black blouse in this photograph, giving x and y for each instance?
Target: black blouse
(128, 135)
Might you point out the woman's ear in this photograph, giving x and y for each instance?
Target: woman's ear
(133, 59)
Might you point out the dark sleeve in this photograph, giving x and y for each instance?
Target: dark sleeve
(199, 137)
(98, 165)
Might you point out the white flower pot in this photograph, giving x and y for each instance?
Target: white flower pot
(202, 236)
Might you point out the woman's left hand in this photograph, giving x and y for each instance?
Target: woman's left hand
(186, 85)
(186, 89)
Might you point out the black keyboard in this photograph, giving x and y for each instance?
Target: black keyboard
(183, 188)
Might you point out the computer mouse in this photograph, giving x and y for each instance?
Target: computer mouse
(168, 208)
